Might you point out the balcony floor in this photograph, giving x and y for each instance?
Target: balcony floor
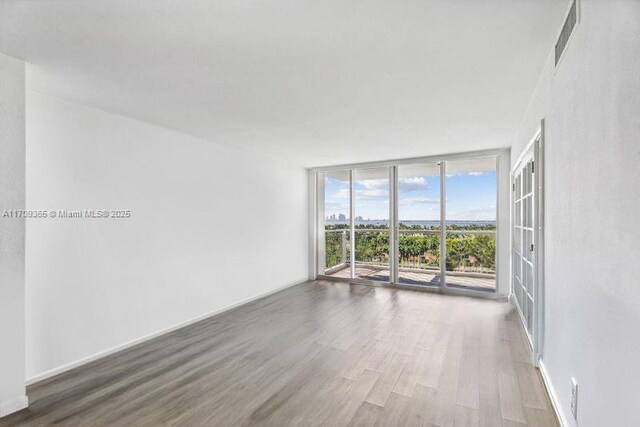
(420, 277)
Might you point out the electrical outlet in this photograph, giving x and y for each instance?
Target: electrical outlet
(574, 398)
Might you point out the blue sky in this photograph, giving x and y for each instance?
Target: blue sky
(470, 196)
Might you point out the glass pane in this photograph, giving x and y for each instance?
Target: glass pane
(516, 266)
(471, 194)
(525, 277)
(419, 257)
(528, 240)
(471, 260)
(470, 223)
(338, 253)
(372, 254)
(528, 179)
(419, 224)
(529, 305)
(516, 290)
(336, 229)
(372, 223)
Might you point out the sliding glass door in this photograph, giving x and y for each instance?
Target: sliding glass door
(371, 224)
(415, 224)
(418, 227)
(470, 224)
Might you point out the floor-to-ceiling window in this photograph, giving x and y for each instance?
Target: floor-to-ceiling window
(371, 224)
(419, 231)
(335, 232)
(470, 223)
(424, 223)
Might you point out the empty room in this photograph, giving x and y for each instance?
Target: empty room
(320, 213)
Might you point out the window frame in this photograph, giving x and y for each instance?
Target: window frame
(316, 212)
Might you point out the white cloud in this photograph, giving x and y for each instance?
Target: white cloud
(372, 194)
(331, 204)
(477, 214)
(479, 173)
(375, 184)
(378, 189)
(343, 193)
(414, 183)
(364, 194)
(418, 200)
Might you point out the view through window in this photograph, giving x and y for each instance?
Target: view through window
(445, 231)
(470, 219)
(337, 236)
(371, 224)
(419, 224)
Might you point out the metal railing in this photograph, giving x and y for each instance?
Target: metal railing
(409, 230)
(413, 262)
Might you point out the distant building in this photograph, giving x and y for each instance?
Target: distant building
(342, 217)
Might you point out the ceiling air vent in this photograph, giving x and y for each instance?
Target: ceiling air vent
(567, 29)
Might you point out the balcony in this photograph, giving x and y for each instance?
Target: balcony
(470, 255)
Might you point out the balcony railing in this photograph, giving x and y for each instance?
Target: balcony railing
(469, 252)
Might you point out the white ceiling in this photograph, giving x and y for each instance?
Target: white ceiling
(320, 82)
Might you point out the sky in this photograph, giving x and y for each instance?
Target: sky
(470, 196)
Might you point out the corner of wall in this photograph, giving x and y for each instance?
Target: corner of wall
(12, 229)
(15, 405)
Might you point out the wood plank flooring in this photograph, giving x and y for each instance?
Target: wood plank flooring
(320, 353)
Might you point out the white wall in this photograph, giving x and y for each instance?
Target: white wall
(591, 105)
(12, 196)
(209, 227)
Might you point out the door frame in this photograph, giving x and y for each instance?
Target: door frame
(536, 145)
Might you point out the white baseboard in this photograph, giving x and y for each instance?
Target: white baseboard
(83, 361)
(552, 394)
(14, 405)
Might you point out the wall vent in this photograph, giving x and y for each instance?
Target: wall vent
(567, 29)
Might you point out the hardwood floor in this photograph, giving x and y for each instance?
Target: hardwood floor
(320, 353)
